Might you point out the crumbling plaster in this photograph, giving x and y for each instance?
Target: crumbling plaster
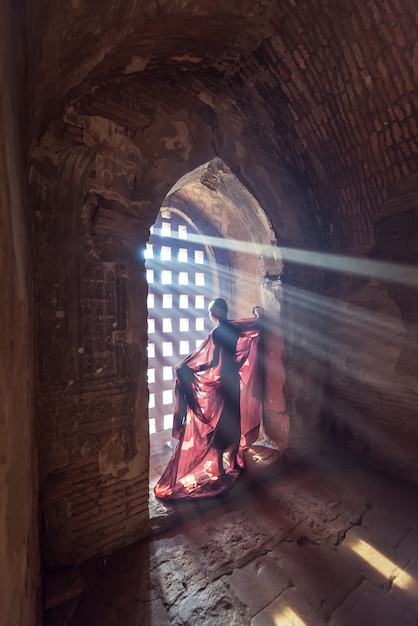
(313, 110)
(95, 191)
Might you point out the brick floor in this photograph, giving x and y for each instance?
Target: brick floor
(327, 541)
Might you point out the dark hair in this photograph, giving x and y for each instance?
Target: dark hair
(221, 304)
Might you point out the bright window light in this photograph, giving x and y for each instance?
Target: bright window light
(183, 278)
(167, 325)
(199, 279)
(184, 325)
(166, 277)
(168, 421)
(183, 256)
(167, 300)
(199, 256)
(184, 347)
(172, 301)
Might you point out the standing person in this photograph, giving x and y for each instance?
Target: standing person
(218, 408)
(225, 337)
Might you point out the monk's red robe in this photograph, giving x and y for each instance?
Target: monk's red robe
(193, 470)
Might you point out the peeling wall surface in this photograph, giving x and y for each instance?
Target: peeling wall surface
(313, 107)
(94, 204)
(92, 393)
(19, 557)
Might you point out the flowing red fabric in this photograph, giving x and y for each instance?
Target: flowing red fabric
(193, 470)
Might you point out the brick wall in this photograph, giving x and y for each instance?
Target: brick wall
(312, 108)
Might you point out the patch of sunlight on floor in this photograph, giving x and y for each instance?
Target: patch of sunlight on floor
(287, 617)
(382, 564)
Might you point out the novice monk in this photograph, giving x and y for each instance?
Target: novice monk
(225, 337)
(218, 408)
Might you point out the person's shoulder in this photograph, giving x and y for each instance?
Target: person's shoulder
(246, 321)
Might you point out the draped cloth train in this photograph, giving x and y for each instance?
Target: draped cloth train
(193, 470)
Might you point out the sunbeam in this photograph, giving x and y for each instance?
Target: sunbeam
(368, 268)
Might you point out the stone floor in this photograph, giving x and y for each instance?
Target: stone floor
(328, 541)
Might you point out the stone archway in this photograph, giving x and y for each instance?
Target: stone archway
(93, 206)
(216, 202)
(222, 201)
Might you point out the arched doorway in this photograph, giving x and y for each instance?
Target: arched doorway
(211, 238)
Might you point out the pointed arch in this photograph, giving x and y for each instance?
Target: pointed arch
(240, 251)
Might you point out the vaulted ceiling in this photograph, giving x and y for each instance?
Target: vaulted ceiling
(326, 89)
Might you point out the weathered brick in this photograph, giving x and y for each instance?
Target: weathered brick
(376, 13)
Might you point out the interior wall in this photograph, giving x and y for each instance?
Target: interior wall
(19, 559)
(373, 333)
(330, 93)
(242, 226)
(95, 192)
(91, 386)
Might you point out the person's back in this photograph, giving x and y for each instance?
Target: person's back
(225, 337)
(208, 412)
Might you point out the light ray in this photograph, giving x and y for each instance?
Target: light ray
(329, 339)
(341, 310)
(345, 264)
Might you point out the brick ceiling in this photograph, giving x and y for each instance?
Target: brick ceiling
(330, 86)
